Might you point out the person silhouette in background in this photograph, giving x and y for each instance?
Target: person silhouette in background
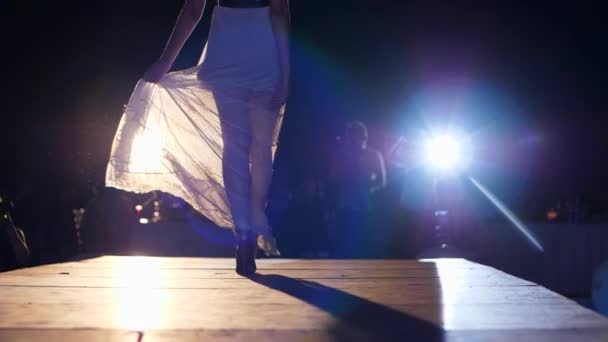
(356, 172)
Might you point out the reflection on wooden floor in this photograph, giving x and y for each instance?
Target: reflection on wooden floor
(194, 299)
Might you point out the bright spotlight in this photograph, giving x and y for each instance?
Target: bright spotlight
(146, 153)
(446, 152)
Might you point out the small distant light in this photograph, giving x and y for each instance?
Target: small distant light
(444, 245)
(156, 203)
(441, 213)
(139, 207)
(1, 200)
(552, 215)
(156, 214)
(82, 211)
(144, 220)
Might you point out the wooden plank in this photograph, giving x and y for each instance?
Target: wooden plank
(155, 315)
(328, 335)
(325, 335)
(70, 335)
(305, 274)
(193, 283)
(316, 264)
(381, 292)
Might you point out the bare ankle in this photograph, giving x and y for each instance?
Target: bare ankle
(259, 218)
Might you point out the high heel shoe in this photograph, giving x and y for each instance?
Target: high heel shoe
(266, 242)
(246, 249)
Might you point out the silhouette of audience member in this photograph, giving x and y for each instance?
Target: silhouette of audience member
(14, 252)
(356, 172)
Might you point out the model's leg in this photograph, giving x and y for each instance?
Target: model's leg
(263, 122)
(236, 135)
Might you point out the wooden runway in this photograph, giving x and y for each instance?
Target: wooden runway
(197, 299)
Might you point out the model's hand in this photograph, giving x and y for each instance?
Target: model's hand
(156, 71)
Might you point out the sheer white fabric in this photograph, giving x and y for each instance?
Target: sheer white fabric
(170, 135)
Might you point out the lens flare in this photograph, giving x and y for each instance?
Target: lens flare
(508, 214)
(443, 152)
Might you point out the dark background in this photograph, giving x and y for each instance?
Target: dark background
(528, 80)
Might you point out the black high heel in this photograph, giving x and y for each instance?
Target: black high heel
(246, 250)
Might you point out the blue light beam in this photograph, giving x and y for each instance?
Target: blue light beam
(508, 214)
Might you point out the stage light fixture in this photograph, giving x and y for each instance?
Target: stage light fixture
(446, 152)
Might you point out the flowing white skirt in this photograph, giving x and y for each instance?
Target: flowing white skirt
(170, 138)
